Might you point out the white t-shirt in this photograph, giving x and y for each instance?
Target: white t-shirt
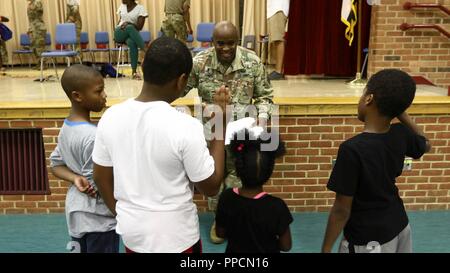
(274, 6)
(73, 2)
(132, 16)
(157, 154)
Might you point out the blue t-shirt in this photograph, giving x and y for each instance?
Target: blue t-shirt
(84, 214)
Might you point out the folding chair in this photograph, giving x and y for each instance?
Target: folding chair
(66, 35)
(25, 44)
(146, 36)
(249, 42)
(84, 43)
(122, 49)
(204, 35)
(102, 45)
(189, 41)
(48, 41)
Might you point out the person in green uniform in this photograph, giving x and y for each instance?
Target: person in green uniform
(74, 16)
(3, 51)
(242, 72)
(178, 19)
(37, 29)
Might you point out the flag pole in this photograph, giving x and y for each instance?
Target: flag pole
(358, 81)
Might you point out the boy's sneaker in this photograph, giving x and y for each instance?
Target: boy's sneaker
(275, 76)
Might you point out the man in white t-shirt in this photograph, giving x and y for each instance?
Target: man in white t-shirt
(148, 157)
(277, 15)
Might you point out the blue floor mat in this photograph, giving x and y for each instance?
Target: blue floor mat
(48, 233)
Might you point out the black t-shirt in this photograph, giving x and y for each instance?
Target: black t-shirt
(366, 169)
(252, 225)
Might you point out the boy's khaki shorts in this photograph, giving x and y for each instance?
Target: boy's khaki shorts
(277, 27)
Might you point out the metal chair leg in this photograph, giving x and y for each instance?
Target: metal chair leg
(30, 60)
(56, 70)
(118, 62)
(42, 70)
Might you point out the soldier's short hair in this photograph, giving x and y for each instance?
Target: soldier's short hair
(166, 60)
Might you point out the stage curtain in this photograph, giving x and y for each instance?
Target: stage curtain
(316, 44)
(255, 22)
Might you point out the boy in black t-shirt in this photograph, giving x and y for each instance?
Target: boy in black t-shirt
(368, 205)
(252, 220)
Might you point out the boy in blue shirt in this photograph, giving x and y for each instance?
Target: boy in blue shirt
(90, 222)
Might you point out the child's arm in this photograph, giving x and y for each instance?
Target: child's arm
(286, 241)
(339, 215)
(82, 184)
(211, 185)
(408, 122)
(187, 17)
(140, 23)
(104, 178)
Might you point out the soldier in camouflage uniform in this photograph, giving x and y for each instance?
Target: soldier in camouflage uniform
(3, 54)
(37, 29)
(177, 23)
(242, 71)
(3, 51)
(74, 16)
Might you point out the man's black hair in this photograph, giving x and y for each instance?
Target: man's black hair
(393, 91)
(165, 60)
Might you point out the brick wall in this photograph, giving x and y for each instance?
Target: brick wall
(419, 52)
(300, 177)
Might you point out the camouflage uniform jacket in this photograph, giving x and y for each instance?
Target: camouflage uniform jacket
(74, 12)
(35, 13)
(246, 78)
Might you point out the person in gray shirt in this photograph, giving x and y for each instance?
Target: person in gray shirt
(90, 223)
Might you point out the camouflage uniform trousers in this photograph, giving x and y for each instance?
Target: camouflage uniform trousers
(3, 51)
(38, 41)
(73, 16)
(175, 27)
(78, 26)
